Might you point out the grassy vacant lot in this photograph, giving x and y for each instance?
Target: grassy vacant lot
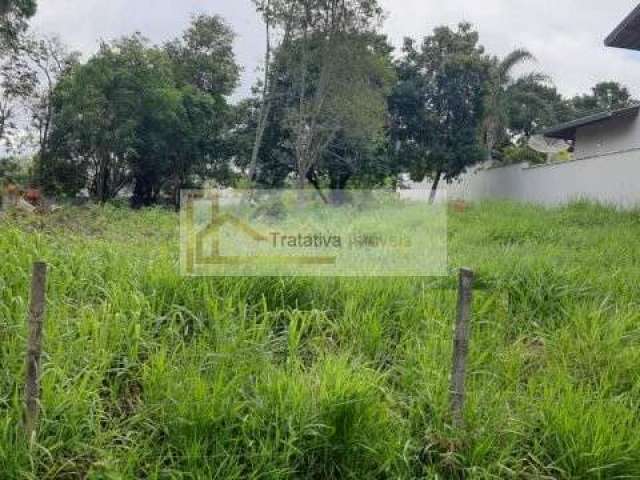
(149, 375)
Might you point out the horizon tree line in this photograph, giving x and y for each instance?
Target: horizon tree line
(334, 108)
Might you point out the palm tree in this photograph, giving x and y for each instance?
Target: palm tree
(496, 116)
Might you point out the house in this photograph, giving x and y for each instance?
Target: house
(613, 132)
(606, 160)
(608, 133)
(627, 34)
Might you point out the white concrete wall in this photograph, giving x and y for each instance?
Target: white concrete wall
(615, 135)
(611, 179)
(606, 169)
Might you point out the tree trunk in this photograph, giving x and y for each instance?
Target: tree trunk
(265, 108)
(434, 188)
(491, 143)
(261, 128)
(490, 152)
(301, 183)
(301, 180)
(176, 193)
(313, 180)
(338, 184)
(143, 192)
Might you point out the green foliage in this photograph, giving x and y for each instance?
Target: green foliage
(275, 160)
(98, 108)
(204, 56)
(354, 108)
(48, 60)
(26, 8)
(513, 154)
(326, 94)
(498, 99)
(13, 17)
(150, 375)
(13, 170)
(438, 103)
(354, 104)
(604, 96)
(334, 110)
(144, 116)
(534, 106)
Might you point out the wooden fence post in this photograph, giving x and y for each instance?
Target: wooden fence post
(461, 346)
(34, 349)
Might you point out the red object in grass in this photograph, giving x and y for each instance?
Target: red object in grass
(33, 196)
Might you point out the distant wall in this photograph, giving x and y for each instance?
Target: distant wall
(611, 179)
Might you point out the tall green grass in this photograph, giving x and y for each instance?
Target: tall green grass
(150, 375)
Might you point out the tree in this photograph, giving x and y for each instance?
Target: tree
(438, 103)
(204, 58)
(152, 118)
(272, 13)
(97, 110)
(604, 96)
(17, 82)
(496, 120)
(205, 73)
(342, 126)
(322, 73)
(179, 141)
(274, 161)
(17, 79)
(355, 112)
(13, 16)
(533, 106)
(48, 61)
(282, 20)
(13, 170)
(362, 164)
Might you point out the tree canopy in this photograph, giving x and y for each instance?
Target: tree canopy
(438, 103)
(334, 108)
(603, 96)
(323, 105)
(142, 115)
(13, 16)
(500, 97)
(204, 56)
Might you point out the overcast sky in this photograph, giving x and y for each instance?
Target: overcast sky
(565, 35)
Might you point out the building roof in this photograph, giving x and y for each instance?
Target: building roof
(627, 34)
(567, 131)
